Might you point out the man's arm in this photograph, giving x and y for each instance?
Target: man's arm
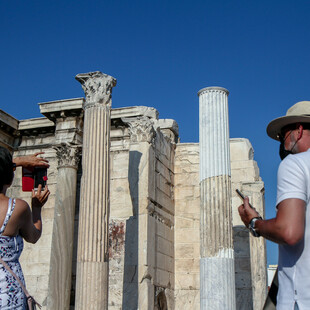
(31, 161)
(287, 227)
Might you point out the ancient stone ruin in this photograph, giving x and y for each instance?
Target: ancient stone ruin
(136, 219)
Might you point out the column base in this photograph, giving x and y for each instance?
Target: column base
(217, 283)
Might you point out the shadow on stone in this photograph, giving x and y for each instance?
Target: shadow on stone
(76, 231)
(130, 281)
(243, 278)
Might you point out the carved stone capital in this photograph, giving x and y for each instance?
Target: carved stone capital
(141, 129)
(68, 155)
(97, 87)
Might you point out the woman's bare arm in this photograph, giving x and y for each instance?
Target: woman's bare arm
(31, 222)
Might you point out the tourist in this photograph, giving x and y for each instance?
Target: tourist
(290, 228)
(17, 222)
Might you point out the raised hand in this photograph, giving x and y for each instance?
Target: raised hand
(39, 197)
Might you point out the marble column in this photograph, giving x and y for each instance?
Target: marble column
(217, 276)
(68, 156)
(92, 256)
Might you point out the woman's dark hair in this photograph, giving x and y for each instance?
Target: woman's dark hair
(6, 167)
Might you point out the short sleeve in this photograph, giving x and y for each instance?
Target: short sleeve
(292, 181)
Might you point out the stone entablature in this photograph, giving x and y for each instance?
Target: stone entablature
(8, 129)
(35, 127)
(55, 109)
(8, 120)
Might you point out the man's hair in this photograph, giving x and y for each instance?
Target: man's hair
(294, 126)
(305, 125)
(6, 167)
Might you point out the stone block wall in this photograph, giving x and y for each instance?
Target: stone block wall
(250, 252)
(122, 267)
(162, 212)
(141, 219)
(187, 218)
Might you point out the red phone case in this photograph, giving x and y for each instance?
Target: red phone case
(27, 180)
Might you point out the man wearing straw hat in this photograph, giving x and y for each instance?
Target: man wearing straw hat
(290, 228)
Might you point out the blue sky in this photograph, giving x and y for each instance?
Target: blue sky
(162, 53)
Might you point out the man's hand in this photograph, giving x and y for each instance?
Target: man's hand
(31, 161)
(246, 212)
(288, 227)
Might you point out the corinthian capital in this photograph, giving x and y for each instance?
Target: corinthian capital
(97, 87)
(68, 155)
(141, 129)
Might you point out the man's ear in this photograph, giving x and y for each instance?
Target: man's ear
(300, 131)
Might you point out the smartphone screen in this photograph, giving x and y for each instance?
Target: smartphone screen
(40, 177)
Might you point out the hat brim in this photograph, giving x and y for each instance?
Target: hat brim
(275, 126)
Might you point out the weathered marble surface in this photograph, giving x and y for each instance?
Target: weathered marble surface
(93, 234)
(217, 275)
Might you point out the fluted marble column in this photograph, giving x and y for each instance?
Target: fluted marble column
(92, 257)
(217, 276)
(68, 156)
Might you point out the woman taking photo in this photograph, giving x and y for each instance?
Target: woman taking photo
(17, 222)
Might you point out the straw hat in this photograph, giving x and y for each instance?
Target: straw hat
(298, 113)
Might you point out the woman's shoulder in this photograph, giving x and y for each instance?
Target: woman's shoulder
(21, 206)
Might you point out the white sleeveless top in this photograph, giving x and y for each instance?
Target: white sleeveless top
(11, 294)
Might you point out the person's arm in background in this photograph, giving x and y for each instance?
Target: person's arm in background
(31, 161)
(287, 227)
(31, 222)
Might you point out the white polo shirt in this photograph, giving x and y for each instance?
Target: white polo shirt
(294, 261)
